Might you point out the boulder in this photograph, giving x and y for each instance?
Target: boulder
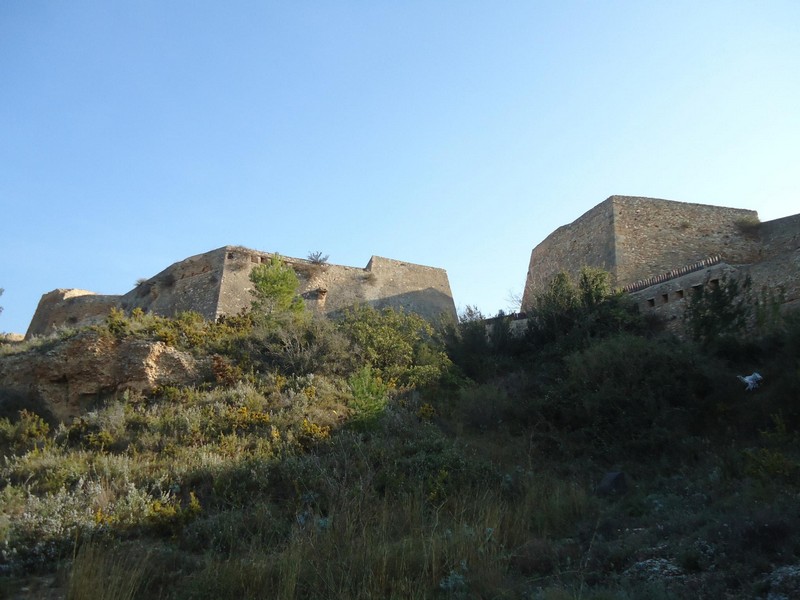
(65, 378)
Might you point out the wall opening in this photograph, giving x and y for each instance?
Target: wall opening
(664, 298)
(679, 295)
(651, 302)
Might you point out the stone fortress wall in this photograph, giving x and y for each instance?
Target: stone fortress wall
(217, 283)
(587, 241)
(660, 250)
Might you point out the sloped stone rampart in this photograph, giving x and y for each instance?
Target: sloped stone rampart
(649, 242)
(587, 241)
(656, 236)
(330, 289)
(218, 283)
(65, 308)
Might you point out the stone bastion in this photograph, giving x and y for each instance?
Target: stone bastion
(217, 283)
(661, 250)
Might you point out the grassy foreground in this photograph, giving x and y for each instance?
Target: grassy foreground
(379, 458)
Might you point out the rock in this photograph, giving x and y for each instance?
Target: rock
(783, 582)
(68, 377)
(11, 338)
(613, 483)
(654, 569)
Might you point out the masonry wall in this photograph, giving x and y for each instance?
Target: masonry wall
(218, 283)
(69, 308)
(656, 236)
(191, 284)
(668, 299)
(634, 238)
(780, 236)
(329, 289)
(780, 267)
(587, 241)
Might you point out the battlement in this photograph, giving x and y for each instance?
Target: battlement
(217, 283)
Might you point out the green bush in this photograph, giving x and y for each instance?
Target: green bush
(28, 432)
(313, 345)
(370, 395)
(401, 347)
(568, 316)
(626, 393)
(719, 312)
(483, 348)
(274, 291)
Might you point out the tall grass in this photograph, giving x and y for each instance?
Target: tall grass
(100, 572)
(403, 547)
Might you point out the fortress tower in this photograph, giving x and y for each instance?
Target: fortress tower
(645, 243)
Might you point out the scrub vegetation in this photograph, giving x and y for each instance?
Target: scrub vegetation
(379, 456)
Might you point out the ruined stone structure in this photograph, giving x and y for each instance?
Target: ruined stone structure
(217, 283)
(659, 250)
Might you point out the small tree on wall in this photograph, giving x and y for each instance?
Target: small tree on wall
(275, 290)
(318, 258)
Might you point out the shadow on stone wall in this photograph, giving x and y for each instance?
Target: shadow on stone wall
(430, 303)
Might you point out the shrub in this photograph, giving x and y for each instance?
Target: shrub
(719, 312)
(28, 432)
(567, 316)
(117, 323)
(629, 394)
(275, 291)
(313, 345)
(318, 258)
(370, 396)
(749, 226)
(401, 347)
(468, 345)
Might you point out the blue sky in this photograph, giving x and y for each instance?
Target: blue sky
(453, 134)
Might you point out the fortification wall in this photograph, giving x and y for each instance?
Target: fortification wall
(415, 288)
(779, 274)
(780, 266)
(655, 236)
(587, 241)
(668, 299)
(780, 236)
(191, 284)
(218, 283)
(69, 308)
(634, 238)
(330, 289)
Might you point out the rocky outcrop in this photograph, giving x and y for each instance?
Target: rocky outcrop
(68, 377)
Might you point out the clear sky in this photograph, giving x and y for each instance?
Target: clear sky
(454, 134)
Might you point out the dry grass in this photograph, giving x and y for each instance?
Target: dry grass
(100, 572)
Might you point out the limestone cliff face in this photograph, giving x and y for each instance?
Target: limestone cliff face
(68, 377)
